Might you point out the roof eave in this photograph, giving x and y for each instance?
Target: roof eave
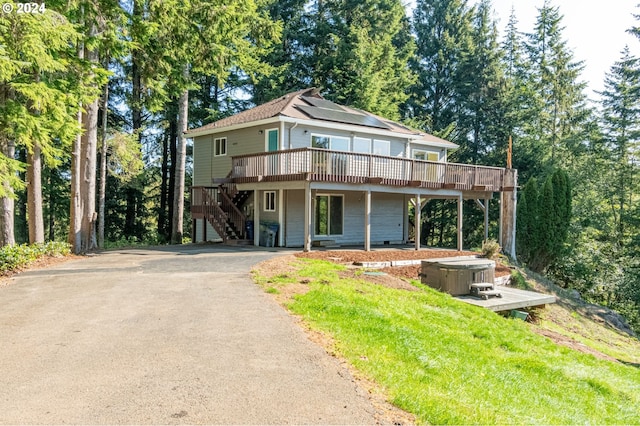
(214, 130)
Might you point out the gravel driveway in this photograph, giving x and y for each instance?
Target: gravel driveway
(163, 336)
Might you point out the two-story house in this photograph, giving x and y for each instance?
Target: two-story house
(320, 173)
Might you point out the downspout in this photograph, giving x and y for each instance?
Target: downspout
(290, 129)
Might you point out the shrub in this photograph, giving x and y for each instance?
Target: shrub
(16, 257)
(490, 249)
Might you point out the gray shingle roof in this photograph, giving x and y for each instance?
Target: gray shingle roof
(298, 105)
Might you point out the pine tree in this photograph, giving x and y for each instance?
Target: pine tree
(559, 108)
(443, 40)
(621, 128)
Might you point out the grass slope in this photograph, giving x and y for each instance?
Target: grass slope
(449, 362)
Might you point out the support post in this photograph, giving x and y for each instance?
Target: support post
(204, 230)
(501, 219)
(509, 209)
(256, 218)
(307, 217)
(460, 222)
(418, 220)
(486, 219)
(367, 221)
(281, 217)
(405, 223)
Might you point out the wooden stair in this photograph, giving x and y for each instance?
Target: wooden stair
(225, 214)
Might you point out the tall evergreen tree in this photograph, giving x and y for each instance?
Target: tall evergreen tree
(621, 129)
(443, 39)
(357, 52)
(559, 109)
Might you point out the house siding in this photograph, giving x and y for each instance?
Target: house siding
(386, 218)
(202, 159)
(294, 218)
(212, 235)
(239, 142)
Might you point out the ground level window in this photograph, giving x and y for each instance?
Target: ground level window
(219, 147)
(329, 214)
(270, 201)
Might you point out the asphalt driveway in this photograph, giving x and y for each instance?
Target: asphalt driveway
(163, 336)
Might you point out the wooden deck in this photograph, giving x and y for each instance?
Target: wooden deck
(512, 298)
(322, 165)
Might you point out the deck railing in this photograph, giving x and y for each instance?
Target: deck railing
(349, 167)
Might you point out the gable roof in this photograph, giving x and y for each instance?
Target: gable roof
(308, 104)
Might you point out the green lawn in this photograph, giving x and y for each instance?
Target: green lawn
(449, 362)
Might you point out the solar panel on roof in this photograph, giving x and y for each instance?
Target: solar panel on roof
(322, 103)
(343, 117)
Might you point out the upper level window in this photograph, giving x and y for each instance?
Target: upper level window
(420, 154)
(362, 145)
(219, 147)
(320, 141)
(381, 147)
(339, 143)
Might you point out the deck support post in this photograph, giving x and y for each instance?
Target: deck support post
(486, 219)
(367, 220)
(204, 230)
(501, 219)
(485, 209)
(460, 222)
(256, 217)
(307, 217)
(405, 222)
(418, 221)
(281, 217)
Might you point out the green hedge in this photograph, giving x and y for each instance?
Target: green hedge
(17, 257)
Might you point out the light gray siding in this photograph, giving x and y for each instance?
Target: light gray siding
(294, 218)
(386, 218)
(239, 142)
(212, 235)
(202, 160)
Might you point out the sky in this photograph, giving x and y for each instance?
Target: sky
(594, 30)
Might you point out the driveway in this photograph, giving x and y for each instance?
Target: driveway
(163, 336)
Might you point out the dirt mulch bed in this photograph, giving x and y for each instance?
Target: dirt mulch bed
(411, 272)
(352, 256)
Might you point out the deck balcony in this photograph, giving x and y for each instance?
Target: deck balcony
(321, 165)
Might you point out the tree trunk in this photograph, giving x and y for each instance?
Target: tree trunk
(75, 209)
(178, 194)
(83, 213)
(7, 204)
(173, 143)
(88, 181)
(103, 167)
(133, 194)
(52, 206)
(34, 195)
(162, 214)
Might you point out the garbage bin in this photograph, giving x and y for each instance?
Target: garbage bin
(249, 228)
(272, 231)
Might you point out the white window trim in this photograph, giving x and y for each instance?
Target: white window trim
(267, 204)
(320, 136)
(215, 142)
(266, 138)
(328, 223)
